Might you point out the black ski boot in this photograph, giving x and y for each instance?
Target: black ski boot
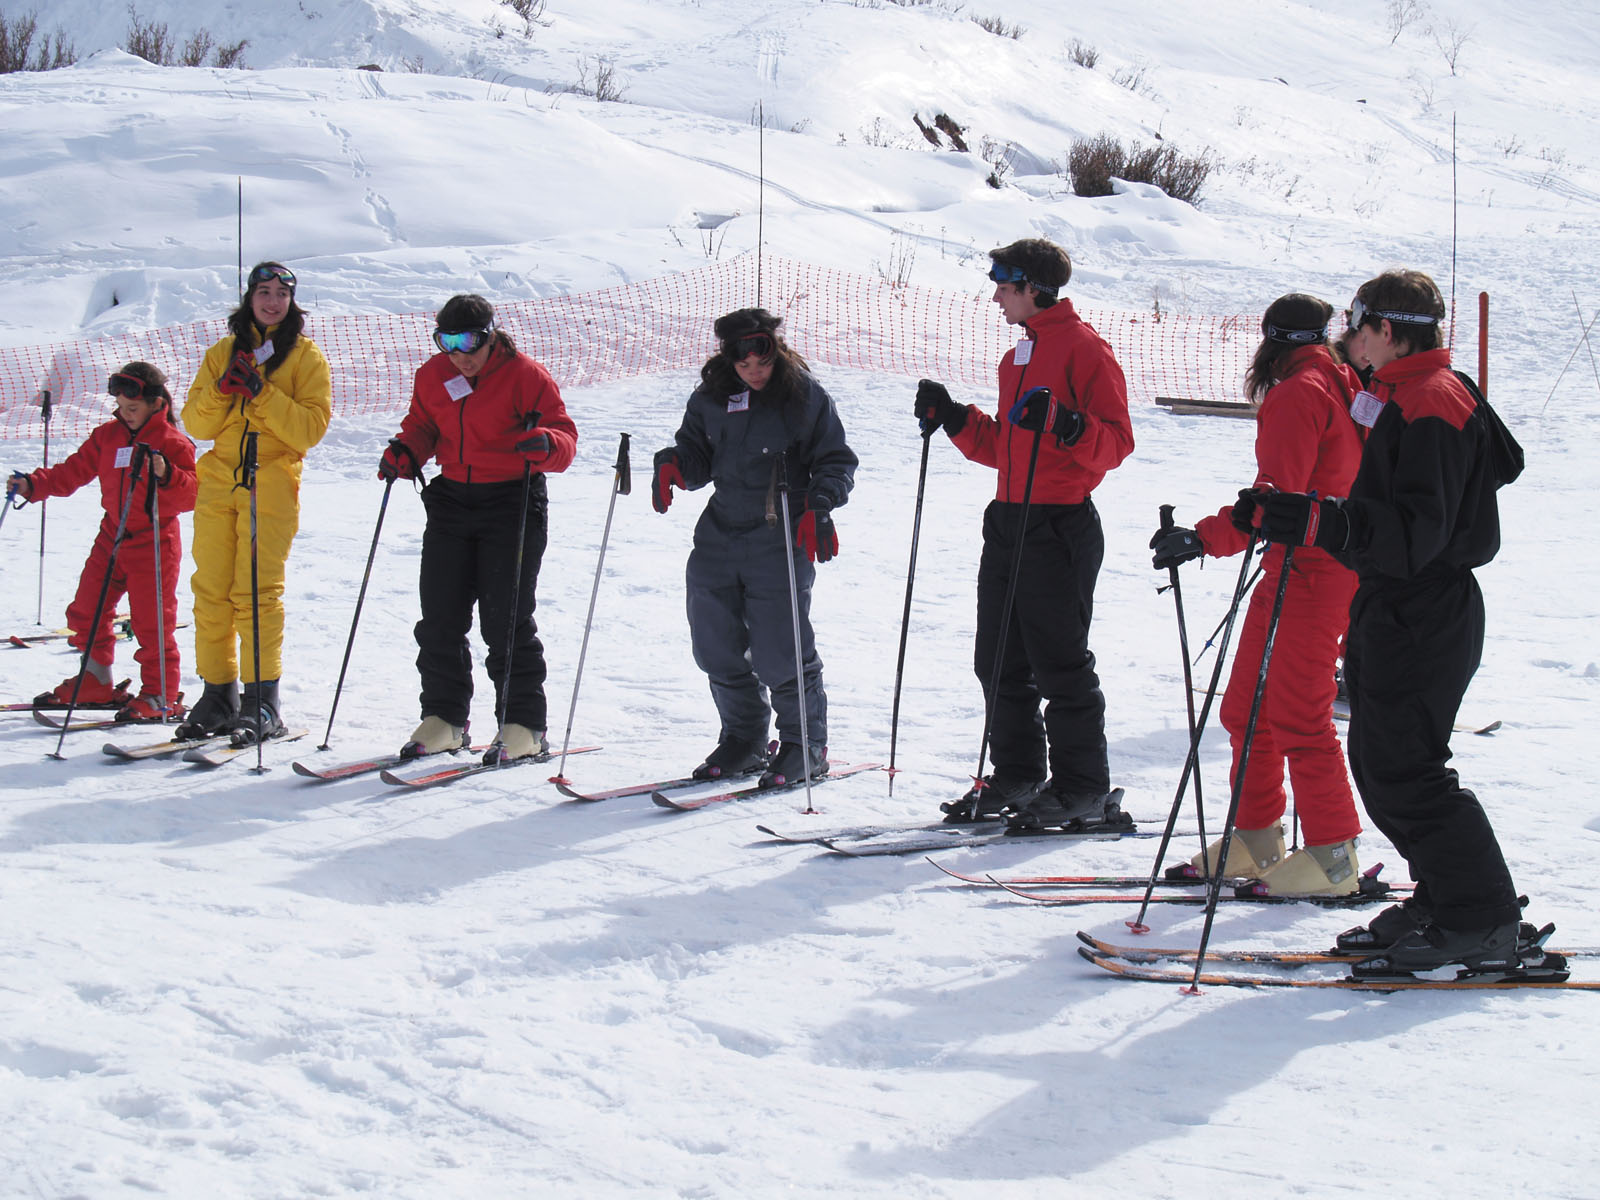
(733, 756)
(786, 765)
(1385, 929)
(245, 730)
(990, 799)
(1489, 950)
(214, 713)
(1055, 807)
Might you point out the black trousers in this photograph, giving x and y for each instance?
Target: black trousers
(1412, 649)
(1046, 656)
(469, 556)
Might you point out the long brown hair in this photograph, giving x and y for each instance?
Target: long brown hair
(244, 327)
(1290, 322)
(787, 386)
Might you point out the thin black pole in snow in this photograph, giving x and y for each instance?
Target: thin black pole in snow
(361, 596)
(250, 464)
(905, 616)
(1188, 686)
(141, 454)
(45, 409)
(761, 191)
(1191, 763)
(239, 241)
(161, 608)
(621, 485)
(782, 464)
(1214, 892)
(497, 749)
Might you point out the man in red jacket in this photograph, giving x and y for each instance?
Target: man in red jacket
(1062, 421)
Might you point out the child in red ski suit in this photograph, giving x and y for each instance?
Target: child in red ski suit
(1306, 441)
(142, 418)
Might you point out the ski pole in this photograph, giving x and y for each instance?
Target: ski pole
(782, 464)
(1188, 673)
(1214, 892)
(250, 464)
(141, 452)
(1259, 570)
(11, 502)
(45, 408)
(361, 596)
(621, 485)
(1005, 620)
(154, 507)
(497, 748)
(1191, 762)
(905, 616)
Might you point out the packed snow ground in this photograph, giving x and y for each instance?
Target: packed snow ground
(228, 984)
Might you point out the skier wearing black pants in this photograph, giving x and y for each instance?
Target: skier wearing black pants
(757, 402)
(1421, 515)
(1062, 423)
(494, 419)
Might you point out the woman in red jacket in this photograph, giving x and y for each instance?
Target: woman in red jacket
(494, 420)
(140, 425)
(1306, 441)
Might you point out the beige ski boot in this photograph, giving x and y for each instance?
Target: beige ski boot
(434, 736)
(516, 741)
(1316, 871)
(1250, 853)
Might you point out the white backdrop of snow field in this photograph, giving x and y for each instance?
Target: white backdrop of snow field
(229, 985)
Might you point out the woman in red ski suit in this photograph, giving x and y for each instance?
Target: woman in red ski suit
(494, 420)
(142, 420)
(1306, 441)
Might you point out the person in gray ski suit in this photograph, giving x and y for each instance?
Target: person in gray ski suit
(758, 418)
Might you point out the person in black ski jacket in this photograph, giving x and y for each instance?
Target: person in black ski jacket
(1421, 515)
(758, 420)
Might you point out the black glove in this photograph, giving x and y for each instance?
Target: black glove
(1296, 519)
(19, 485)
(1243, 514)
(934, 408)
(241, 377)
(1173, 545)
(535, 447)
(399, 461)
(1038, 412)
(815, 534)
(668, 475)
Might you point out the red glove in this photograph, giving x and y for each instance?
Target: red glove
(668, 475)
(398, 462)
(815, 534)
(241, 377)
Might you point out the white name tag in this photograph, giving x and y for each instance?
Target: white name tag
(263, 352)
(739, 403)
(1364, 409)
(458, 388)
(1024, 353)
(124, 456)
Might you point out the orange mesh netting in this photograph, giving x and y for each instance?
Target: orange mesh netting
(832, 317)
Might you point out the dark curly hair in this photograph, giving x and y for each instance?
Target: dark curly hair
(243, 325)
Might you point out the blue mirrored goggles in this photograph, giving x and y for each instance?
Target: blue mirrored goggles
(1360, 314)
(282, 274)
(1001, 273)
(462, 341)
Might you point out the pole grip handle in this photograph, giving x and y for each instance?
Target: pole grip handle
(624, 468)
(1166, 517)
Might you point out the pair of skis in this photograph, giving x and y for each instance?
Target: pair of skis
(1543, 969)
(202, 752)
(661, 791)
(386, 767)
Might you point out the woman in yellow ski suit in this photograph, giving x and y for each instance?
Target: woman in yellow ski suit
(267, 378)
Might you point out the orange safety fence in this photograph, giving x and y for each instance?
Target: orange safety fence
(832, 317)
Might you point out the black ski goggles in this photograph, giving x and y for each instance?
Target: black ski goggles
(1295, 337)
(131, 387)
(1360, 314)
(462, 341)
(740, 348)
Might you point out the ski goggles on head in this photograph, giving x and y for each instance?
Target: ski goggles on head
(131, 387)
(1360, 314)
(740, 348)
(264, 274)
(462, 341)
(1295, 337)
(1001, 273)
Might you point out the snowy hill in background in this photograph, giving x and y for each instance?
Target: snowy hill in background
(229, 985)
